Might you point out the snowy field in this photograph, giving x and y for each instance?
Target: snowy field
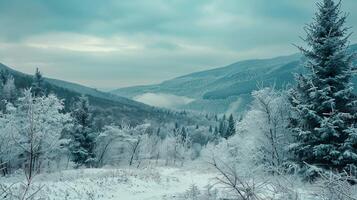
(165, 183)
(119, 184)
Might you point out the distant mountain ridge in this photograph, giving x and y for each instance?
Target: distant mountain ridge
(122, 109)
(73, 87)
(217, 90)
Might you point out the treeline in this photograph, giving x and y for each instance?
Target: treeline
(38, 133)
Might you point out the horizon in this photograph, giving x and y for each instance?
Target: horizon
(112, 89)
(121, 44)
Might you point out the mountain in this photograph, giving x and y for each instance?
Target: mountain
(226, 89)
(105, 104)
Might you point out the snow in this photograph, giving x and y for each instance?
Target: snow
(123, 183)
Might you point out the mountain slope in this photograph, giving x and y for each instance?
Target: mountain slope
(199, 83)
(227, 89)
(105, 104)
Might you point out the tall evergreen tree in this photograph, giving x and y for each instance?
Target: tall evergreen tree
(210, 129)
(37, 87)
(325, 121)
(183, 133)
(83, 137)
(4, 74)
(216, 135)
(222, 128)
(231, 129)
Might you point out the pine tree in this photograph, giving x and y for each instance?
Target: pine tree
(83, 137)
(4, 74)
(231, 129)
(176, 129)
(216, 132)
(222, 128)
(325, 106)
(183, 133)
(158, 131)
(37, 87)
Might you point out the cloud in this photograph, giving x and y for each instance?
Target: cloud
(163, 100)
(80, 43)
(111, 43)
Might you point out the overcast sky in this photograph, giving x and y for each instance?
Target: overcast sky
(118, 43)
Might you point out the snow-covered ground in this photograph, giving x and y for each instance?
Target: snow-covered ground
(119, 184)
(153, 183)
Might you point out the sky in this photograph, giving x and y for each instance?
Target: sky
(108, 44)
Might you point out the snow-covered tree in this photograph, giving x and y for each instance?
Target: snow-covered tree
(8, 149)
(35, 126)
(325, 106)
(37, 87)
(168, 149)
(262, 135)
(150, 147)
(9, 93)
(108, 141)
(268, 121)
(82, 136)
(132, 145)
(135, 141)
(175, 149)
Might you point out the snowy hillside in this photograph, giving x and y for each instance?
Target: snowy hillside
(226, 88)
(121, 108)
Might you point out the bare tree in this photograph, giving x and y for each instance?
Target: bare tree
(20, 191)
(336, 186)
(106, 139)
(242, 188)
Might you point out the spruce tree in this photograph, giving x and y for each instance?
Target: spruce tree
(231, 129)
(4, 74)
(83, 137)
(325, 106)
(37, 87)
(216, 132)
(183, 134)
(221, 128)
